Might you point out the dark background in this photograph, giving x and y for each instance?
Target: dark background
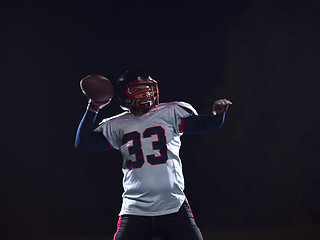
(260, 171)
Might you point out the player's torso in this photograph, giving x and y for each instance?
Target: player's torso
(149, 145)
(153, 180)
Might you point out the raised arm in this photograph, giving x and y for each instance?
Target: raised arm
(197, 124)
(86, 139)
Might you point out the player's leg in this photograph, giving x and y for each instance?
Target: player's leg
(178, 226)
(132, 227)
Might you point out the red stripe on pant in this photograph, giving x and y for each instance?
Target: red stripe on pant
(193, 216)
(118, 226)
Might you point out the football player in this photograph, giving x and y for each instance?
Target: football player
(148, 135)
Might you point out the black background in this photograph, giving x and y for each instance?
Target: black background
(261, 170)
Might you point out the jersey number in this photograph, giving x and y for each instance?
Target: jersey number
(136, 148)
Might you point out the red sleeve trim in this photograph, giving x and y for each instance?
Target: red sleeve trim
(111, 147)
(181, 126)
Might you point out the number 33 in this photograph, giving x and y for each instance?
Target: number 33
(136, 149)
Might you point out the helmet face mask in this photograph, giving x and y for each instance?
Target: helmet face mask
(142, 93)
(137, 91)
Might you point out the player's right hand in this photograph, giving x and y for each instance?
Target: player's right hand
(96, 106)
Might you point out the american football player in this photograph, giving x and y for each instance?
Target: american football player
(148, 135)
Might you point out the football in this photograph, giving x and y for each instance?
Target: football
(97, 88)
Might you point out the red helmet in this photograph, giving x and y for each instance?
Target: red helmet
(137, 89)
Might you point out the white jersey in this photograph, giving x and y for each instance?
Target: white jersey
(153, 181)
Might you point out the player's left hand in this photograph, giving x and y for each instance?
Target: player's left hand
(221, 106)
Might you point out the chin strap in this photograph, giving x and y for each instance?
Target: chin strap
(142, 110)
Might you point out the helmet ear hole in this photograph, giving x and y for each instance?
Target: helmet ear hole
(128, 101)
